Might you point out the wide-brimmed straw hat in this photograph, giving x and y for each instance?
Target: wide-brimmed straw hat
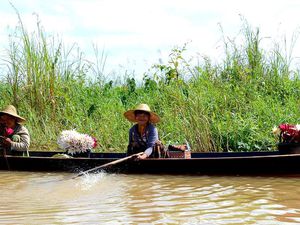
(11, 111)
(154, 118)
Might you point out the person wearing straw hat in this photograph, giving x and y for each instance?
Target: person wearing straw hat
(14, 136)
(143, 135)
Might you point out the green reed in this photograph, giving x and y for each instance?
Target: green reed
(230, 106)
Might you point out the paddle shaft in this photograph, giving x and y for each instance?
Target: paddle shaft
(4, 156)
(107, 164)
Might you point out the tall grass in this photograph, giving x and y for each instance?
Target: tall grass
(230, 106)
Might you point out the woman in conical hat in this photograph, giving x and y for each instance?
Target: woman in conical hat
(14, 136)
(143, 134)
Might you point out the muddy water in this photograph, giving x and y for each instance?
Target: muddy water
(54, 198)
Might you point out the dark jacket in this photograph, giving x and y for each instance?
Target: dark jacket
(142, 144)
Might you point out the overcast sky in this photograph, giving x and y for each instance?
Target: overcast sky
(135, 33)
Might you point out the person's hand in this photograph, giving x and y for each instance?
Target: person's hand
(6, 142)
(142, 156)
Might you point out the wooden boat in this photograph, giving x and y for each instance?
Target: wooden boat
(284, 161)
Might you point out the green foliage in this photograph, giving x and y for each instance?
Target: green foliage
(231, 106)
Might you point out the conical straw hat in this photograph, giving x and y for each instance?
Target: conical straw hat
(154, 118)
(11, 110)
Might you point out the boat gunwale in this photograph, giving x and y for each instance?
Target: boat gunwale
(213, 157)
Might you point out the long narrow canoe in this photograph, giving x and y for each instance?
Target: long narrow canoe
(227, 163)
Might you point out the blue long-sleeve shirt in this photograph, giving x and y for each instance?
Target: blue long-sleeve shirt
(147, 140)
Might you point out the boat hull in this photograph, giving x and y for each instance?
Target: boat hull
(247, 163)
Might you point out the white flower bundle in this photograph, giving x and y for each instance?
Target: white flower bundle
(74, 142)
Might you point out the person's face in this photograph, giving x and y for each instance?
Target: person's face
(142, 118)
(8, 121)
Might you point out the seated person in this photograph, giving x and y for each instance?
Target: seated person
(14, 136)
(143, 135)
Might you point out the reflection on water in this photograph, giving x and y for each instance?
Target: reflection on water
(55, 198)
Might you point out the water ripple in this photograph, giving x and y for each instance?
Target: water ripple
(49, 198)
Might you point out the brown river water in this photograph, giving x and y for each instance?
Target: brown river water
(55, 198)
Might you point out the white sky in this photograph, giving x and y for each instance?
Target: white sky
(135, 34)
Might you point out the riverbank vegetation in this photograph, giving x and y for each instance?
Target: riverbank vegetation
(229, 106)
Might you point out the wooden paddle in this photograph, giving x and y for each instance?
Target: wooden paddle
(107, 164)
(3, 148)
(4, 156)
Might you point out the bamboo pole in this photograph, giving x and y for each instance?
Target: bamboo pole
(106, 165)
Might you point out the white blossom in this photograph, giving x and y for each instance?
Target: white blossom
(74, 142)
(276, 130)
